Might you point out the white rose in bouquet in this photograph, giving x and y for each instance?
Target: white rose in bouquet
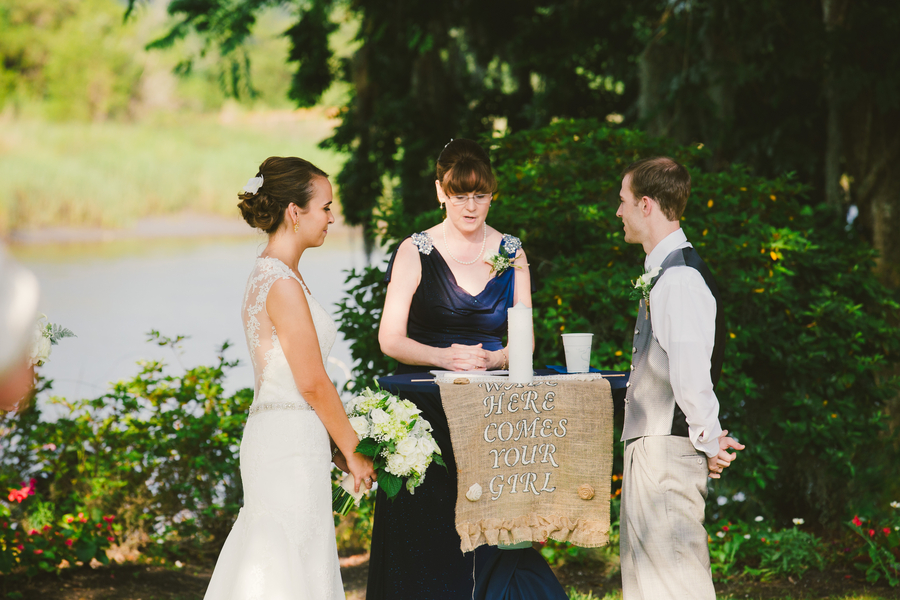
(407, 446)
(40, 347)
(390, 431)
(360, 426)
(379, 417)
(398, 465)
(45, 335)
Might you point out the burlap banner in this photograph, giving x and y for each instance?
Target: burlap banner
(534, 461)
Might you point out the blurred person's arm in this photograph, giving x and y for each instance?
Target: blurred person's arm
(15, 385)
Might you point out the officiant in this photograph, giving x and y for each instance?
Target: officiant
(446, 308)
(673, 440)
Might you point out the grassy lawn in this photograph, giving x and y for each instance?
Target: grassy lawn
(109, 174)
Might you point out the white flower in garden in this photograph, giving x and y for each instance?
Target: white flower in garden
(746, 536)
(720, 534)
(798, 521)
(895, 504)
(360, 426)
(758, 519)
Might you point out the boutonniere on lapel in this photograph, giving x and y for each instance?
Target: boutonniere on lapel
(642, 287)
(499, 263)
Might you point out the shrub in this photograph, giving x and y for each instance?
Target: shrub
(809, 326)
(159, 452)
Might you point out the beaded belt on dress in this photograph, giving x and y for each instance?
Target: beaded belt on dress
(264, 406)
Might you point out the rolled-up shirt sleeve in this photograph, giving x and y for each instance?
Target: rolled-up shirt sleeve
(683, 313)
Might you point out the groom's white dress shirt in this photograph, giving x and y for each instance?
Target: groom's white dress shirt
(683, 315)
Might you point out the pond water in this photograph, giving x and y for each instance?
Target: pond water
(112, 293)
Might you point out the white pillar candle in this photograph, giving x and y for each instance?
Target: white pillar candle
(520, 344)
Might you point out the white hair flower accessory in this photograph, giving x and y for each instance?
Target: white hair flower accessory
(253, 184)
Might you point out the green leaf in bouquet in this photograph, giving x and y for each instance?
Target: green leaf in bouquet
(390, 483)
(438, 459)
(57, 333)
(368, 447)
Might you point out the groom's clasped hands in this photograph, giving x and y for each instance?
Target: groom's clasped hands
(722, 460)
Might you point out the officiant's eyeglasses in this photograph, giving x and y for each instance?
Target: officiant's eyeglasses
(479, 199)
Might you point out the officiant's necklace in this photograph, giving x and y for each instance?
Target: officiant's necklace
(483, 240)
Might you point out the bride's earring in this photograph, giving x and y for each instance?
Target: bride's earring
(442, 206)
(296, 224)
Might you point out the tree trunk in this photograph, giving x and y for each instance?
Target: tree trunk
(872, 152)
(833, 12)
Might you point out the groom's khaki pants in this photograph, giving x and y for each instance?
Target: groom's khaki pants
(663, 544)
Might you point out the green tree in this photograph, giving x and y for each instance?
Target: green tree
(425, 72)
(809, 87)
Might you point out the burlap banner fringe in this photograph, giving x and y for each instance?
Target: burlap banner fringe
(583, 532)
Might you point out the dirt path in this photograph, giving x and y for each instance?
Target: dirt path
(141, 582)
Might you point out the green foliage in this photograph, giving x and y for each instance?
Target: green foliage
(77, 59)
(359, 313)
(881, 545)
(791, 552)
(809, 327)
(73, 55)
(160, 452)
(110, 174)
(41, 540)
(755, 549)
(425, 72)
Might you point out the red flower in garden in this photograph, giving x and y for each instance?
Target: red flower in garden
(20, 547)
(33, 532)
(99, 525)
(724, 527)
(871, 533)
(109, 518)
(857, 522)
(887, 531)
(70, 519)
(69, 542)
(111, 539)
(46, 527)
(38, 551)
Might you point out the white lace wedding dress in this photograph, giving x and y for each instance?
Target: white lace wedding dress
(282, 546)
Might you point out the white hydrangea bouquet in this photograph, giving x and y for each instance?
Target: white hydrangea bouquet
(46, 334)
(399, 441)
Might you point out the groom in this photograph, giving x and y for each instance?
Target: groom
(673, 440)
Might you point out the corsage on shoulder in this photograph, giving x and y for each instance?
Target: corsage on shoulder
(500, 263)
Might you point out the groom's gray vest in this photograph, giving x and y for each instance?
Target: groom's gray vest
(650, 407)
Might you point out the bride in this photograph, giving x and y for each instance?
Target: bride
(282, 546)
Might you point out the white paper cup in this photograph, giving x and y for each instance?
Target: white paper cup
(578, 351)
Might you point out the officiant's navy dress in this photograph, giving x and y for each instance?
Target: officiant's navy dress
(415, 551)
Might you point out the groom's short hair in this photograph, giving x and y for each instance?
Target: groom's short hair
(662, 179)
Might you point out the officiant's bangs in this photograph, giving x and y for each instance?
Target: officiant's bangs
(464, 167)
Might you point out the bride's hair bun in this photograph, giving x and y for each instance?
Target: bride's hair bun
(464, 167)
(285, 180)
